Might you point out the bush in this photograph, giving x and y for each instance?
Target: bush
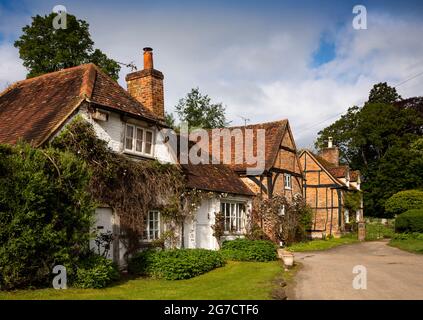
(403, 201)
(45, 214)
(408, 236)
(249, 250)
(95, 272)
(410, 221)
(175, 264)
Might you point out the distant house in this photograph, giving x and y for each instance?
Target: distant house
(281, 173)
(326, 186)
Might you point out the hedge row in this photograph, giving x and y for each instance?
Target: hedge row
(249, 250)
(175, 264)
(410, 221)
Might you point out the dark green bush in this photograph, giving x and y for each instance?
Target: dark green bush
(175, 264)
(404, 200)
(45, 214)
(410, 221)
(249, 250)
(95, 271)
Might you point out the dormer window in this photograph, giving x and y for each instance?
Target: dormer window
(138, 140)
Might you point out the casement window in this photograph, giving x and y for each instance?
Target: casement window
(288, 181)
(151, 226)
(138, 140)
(234, 216)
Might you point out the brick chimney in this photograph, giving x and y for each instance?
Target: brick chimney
(147, 85)
(331, 153)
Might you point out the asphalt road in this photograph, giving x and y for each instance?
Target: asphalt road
(391, 273)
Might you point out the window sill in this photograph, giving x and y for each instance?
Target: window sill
(138, 154)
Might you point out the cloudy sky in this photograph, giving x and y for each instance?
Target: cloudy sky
(265, 60)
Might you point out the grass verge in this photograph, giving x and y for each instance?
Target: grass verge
(317, 245)
(236, 280)
(410, 245)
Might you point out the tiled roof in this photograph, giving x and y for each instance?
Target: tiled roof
(338, 172)
(274, 132)
(215, 177)
(34, 108)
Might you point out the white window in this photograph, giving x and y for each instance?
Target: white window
(138, 140)
(288, 182)
(234, 215)
(152, 226)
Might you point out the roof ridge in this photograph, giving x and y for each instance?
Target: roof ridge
(49, 74)
(88, 81)
(260, 123)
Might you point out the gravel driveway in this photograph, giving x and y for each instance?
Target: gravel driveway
(391, 273)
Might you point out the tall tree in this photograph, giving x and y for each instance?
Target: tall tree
(378, 139)
(382, 93)
(197, 110)
(44, 49)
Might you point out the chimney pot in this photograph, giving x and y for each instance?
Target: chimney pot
(330, 142)
(148, 58)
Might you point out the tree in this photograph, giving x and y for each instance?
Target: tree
(44, 49)
(198, 111)
(170, 120)
(382, 93)
(380, 140)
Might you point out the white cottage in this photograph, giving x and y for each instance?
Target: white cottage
(37, 109)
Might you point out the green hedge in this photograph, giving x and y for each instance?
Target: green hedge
(403, 201)
(95, 272)
(175, 264)
(249, 250)
(410, 221)
(45, 214)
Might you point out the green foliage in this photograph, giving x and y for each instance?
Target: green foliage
(249, 250)
(376, 230)
(380, 140)
(95, 271)
(403, 201)
(175, 264)
(130, 187)
(290, 221)
(382, 93)
(44, 49)
(170, 120)
(408, 236)
(45, 213)
(410, 221)
(352, 201)
(198, 111)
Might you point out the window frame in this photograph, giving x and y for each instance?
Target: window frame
(287, 178)
(236, 216)
(135, 140)
(146, 237)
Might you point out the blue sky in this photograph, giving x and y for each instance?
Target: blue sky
(265, 60)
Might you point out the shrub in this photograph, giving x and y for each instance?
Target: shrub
(175, 264)
(408, 236)
(403, 201)
(410, 221)
(249, 250)
(95, 271)
(45, 214)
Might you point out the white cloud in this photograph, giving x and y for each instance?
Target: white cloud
(258, 65)
(11, 68)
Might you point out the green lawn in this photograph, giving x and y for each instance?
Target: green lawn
(376, 230)
(236, 280)
(316, 245)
